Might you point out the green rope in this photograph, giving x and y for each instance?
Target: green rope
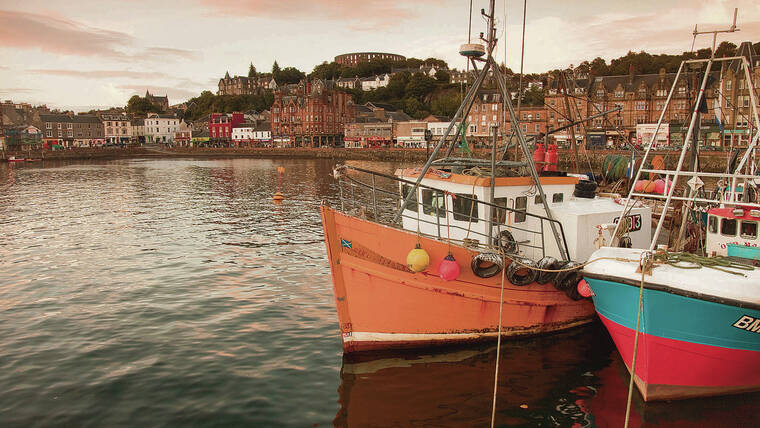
(693, 261)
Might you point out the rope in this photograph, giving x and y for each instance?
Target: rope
(498, 348)
(644, 263)
(694, 261)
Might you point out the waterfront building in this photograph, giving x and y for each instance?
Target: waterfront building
(161, 128)
(533, 121)
(354, 58)
(70, 130)
(138, 130)
(117, 128)
(200, 137)
(220, 125)
(183, 135)
(252, 134)
(312, 114)
(734, 111)
(410, 134)
(25, 137)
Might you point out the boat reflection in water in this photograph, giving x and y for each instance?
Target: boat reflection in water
(572, 379)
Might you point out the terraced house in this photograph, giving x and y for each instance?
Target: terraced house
(117, 128)
(70, 130)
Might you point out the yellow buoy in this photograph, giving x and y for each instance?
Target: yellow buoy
(278, 197)
(418, 259)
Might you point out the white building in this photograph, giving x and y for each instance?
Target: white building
(161, 128)
(249, 133)
(374, 82)
(117, 128)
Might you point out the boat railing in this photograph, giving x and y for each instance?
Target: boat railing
(379, 197)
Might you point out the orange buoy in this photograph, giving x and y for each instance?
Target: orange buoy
(278, 197)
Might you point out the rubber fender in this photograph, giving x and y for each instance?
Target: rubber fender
(586, 185)
(522, 272)
(507, 242)
(559, 279)
(496, 264)
(550, 263)
(587, 194)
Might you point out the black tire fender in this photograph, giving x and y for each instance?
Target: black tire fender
(520, 272)
(507, 242)
(497, 264)
(549, 263)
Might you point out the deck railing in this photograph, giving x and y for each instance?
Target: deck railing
(378, 197)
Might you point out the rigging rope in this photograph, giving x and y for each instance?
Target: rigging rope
(645, 264)
(498, 346)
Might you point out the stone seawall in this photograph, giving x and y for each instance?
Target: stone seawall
(711, 161)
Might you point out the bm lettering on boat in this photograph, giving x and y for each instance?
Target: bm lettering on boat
(748, 323)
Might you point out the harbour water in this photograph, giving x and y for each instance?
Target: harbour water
(175, 293)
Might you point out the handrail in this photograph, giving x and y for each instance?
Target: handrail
(375, 190)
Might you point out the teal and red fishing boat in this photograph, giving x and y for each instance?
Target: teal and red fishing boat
(689, 324)
(699, 333)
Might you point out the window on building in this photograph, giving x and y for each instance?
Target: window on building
(728, 227)
(412, 206)
(499, 215)
(474, 107)
(749, 229)
(558, 198)
(59, 125)
(464, 208)
(741, 84)
(728, 85)
(619, 93)
(537, 128)
(682, 90)
(600, 93)
(538, 200)
(521, 207)
(50, 134)
(494, 107)
(538, 116)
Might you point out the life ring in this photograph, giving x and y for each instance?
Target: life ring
(547, 263)
(495, 261)
(560, 280)
(507, 242)
(520, 272)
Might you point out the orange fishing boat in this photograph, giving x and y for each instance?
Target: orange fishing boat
(464, 249)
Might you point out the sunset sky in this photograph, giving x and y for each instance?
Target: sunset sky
(83, 54)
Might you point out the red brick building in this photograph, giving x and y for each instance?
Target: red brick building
(311, 114)
(220, 125)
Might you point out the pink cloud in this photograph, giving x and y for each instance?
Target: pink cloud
(101, 74)
(59, 36)
(356, 13)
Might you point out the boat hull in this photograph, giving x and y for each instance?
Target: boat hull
(381, 304)
(687, 347)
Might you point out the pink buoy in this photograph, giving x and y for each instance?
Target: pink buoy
(449, 268)
(659, 186)
(584, 289)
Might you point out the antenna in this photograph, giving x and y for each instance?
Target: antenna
(715, 32)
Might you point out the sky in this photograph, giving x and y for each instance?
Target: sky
(83, 54)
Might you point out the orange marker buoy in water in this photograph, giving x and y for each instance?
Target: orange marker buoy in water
(278, 197)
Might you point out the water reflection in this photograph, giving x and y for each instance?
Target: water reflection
(573, 379)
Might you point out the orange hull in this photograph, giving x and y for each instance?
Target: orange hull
(382, 304)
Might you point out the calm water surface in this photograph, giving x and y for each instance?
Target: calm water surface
(175, 293)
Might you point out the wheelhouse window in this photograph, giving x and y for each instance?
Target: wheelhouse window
(558, 198)
(500, 214)
(521, 206)
(432, 202)
(406, 189)
(465, 209)
(538, 200)
(728, 227)
(712, 224)
(748, 229)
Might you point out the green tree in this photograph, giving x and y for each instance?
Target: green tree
(276, 71)
(442, 76)
(141, 106)
(419, 86)
(290, 75)
(534, 96)
(725, 49)
(252, 71)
